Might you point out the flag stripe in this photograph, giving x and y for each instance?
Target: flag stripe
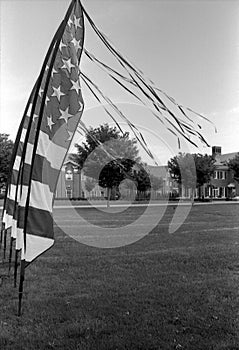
(39, 190)
(42, 172)
(38, 222)
(35, 246)
(54, 153)
(37, 219)
(8, 219)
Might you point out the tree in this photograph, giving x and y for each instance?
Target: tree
(142, 180)
(182, 169)
(192, 170)
(6, 147)
(156, 182)
(233, 165)
(89, 184)
(204, 168)
(107, 156)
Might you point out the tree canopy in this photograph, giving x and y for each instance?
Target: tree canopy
(107, 155)
(6, 146)
(191, 170)
(233, 164)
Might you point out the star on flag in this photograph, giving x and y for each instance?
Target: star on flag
(70, 135)
(76, 43)
(53, 71)
(57, 92)
(67, 64)
(50, 122)
(40, 92)
(75, 86)
(65, 114)
(61, 45)
(47, 100)
(77, 22)
(35, 116)
(70, 22)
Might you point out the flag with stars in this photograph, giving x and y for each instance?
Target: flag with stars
(49, 123)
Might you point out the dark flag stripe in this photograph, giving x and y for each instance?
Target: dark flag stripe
(54, 153)
(42, 172)
(38, 222)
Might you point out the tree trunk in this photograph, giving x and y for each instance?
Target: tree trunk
(108, 196)
(192, 195)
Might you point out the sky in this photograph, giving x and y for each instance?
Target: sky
(190, 49)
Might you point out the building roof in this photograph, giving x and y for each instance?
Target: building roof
(158, 171)
(222, 158)
(71, 162)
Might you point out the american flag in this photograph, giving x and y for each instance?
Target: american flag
(48, 125)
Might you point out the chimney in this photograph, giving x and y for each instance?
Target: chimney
(216, 150)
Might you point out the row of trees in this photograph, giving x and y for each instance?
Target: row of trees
(108, 158)
(192, 170)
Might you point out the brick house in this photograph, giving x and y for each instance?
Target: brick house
(69, 182)
(222, 185)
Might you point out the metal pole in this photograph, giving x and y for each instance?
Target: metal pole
(20, 293)
(10, 255)
(15, 268)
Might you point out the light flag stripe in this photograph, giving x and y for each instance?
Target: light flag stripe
(35, 246)
(19, 238)
(42, 172)
(14, 229)
(7, 219)
(54, 153)
(38, 190)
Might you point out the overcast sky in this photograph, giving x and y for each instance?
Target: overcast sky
(190, 49)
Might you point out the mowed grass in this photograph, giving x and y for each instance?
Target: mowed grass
(165, 291)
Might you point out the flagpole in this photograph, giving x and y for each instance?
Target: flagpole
(10, 255)
(20, 292)
(4, 244)
(2, 231)
(15, 267)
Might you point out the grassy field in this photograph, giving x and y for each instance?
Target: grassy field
(166, 291)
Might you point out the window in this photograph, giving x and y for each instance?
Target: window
(69, 175)
(215, 192)
(69, 192)
(220, 175)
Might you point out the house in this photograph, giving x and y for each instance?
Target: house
(222, 184)
(69, 182)
(72, 183)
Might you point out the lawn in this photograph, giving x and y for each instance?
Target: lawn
(165, 291)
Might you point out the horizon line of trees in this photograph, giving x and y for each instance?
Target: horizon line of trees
(109, 158)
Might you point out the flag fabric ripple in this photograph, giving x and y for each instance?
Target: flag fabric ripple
(51, 117)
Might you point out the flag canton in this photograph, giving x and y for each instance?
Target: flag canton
(63, 103)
